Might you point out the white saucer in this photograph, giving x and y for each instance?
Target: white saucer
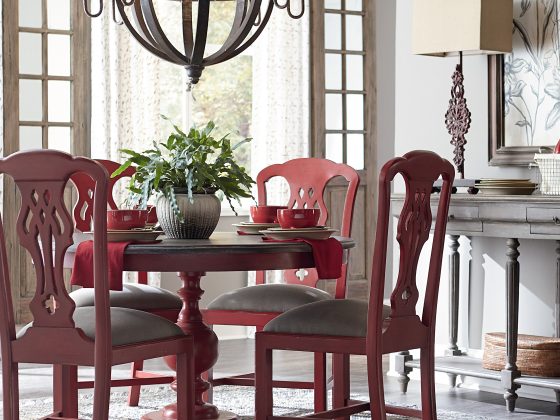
(307, 233)
(250, 228)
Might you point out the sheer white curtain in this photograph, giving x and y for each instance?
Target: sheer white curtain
(130, 89)
(281, 113)
(281, 85)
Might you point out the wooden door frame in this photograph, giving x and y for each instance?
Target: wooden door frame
(369, 176)
(20, 266)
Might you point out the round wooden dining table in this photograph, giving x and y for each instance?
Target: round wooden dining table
(191, 259)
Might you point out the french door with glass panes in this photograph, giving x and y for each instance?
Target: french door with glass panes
(343, 114)
(46, 74)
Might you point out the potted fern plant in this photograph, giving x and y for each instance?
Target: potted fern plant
(187, 172)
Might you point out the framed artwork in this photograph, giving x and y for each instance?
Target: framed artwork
(524, 86)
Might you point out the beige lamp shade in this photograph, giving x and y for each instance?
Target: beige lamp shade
(442, 27)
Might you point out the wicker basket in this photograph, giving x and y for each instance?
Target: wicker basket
(536, 356)
(549, 168)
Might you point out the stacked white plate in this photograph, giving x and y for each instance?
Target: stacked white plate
(316, 232)
(492, 186)
(251, 228)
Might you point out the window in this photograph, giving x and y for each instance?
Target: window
(343, 115)
(46, 99)
(47, 76)
(342, 87)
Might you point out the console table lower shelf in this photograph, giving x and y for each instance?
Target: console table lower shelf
(472, 366)
(510, 218)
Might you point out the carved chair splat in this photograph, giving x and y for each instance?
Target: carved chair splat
(344, 327)
(44, 228)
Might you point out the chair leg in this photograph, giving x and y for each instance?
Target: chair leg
(263, 380)
(142, 277)
(10, 387)
(376, 389)
(320, 382)
(341, 381)
(427, 383)
(101, 390)
(185, 385)
(134, 390)
(208, 376)
(65, 390)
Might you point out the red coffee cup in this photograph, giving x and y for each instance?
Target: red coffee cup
(152, 215)
(126, 219)
(265, 214)
(298, 218)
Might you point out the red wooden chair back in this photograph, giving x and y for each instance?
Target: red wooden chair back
(44, 228)
(307, 179)
(83, 210)
(419, 169)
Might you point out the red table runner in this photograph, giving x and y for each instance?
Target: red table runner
(82, 273)
(327, 254)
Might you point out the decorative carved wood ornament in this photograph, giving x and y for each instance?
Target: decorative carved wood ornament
(412, 233)
(45, 228)
(419, 170)
(458, 119)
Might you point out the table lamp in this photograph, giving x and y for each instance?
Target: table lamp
(450, 27)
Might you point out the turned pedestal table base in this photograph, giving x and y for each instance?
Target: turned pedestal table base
(205, 351)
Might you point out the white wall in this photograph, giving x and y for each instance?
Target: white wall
(422, 91)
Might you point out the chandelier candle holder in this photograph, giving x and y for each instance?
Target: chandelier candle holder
(141, 20)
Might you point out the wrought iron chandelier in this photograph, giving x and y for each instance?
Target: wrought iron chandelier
(140, 18)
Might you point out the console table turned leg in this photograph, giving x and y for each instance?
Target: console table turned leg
(400, 366)
(454, 273)
(510, 371)
(557, 305)
(557, 300)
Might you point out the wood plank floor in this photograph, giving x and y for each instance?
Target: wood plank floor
(236, 357)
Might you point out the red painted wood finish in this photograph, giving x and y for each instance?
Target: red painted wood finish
(83, 209)
(83, 214)
(307, 179)
(45, 228)
(85, 185)
(404, 329)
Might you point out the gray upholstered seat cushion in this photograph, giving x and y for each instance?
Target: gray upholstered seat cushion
(133, 296)
(127, 325)
(340, 317)
(268, 298)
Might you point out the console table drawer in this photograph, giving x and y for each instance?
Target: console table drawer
(464, 226)
(462, 212)
(545, 229)
(543, 215)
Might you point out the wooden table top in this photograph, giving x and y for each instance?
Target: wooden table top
(223, 251)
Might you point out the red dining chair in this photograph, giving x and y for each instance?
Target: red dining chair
(60, 333)
(257, 305)
(140, 295)
(344, 327)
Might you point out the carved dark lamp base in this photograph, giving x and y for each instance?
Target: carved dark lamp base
(458, 118)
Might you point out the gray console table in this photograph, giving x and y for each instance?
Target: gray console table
(511, 218)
